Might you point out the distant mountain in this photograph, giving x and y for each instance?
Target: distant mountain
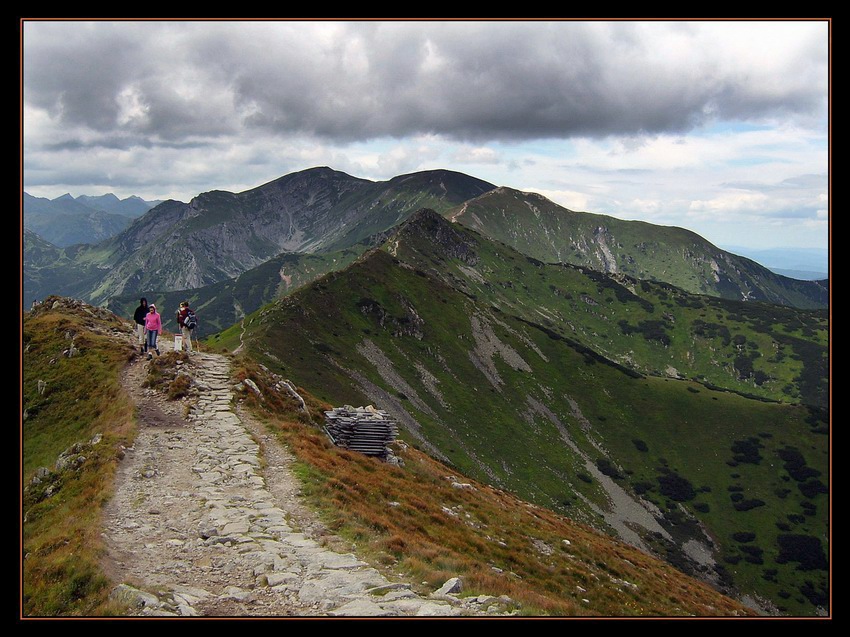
(48, 267)
(572, 389)
(65, 220)
(219, 235)
(130, 207)
(546, 231)
(808, 264)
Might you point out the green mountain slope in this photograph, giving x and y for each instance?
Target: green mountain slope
(220, 305)
(725, 487)
(384, 205)
(377, 208)
(48, 268)
(654, 328)
(546, 231)
(219, 235)
(435, 528)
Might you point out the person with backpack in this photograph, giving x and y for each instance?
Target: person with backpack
(139, 316)
(153, 326)
(187, 321)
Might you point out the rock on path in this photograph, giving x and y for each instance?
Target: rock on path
(193, 528)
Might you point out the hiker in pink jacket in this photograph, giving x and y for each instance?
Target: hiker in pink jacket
(153, 326)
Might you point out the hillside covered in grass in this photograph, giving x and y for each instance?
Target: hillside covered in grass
(75, 420)
(542, 229)
(420, 520)
(423, 520)
(509, 389)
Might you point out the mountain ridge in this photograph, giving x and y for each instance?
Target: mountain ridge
(219, 235)
(68, 220)
(510, 394)
(552, 233)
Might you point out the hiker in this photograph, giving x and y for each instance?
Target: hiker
(187, 322)
(153, 325)
(139, 316)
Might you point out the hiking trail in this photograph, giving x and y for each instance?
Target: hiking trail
(206, 518)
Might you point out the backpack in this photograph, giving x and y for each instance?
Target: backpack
(191, 321)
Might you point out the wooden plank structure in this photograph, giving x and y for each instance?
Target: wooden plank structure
(365, 429)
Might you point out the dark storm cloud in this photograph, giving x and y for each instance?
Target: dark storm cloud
(359, 81)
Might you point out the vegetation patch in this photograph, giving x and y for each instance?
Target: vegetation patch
(747, 450)
(752, 554)
(748, 505)
(606, 467)
(806, 550)
(651, 330)
(795, 464)
(817, 594)
(69, 403)
(676, 487)
(164, 375)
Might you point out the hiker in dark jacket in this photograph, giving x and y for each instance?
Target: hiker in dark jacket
(185, 330)
(139, 316)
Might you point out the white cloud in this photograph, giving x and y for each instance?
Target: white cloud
(569, 199)
(672, 122)
(731, 202)
(476, 155)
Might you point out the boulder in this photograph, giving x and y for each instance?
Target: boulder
(453, 585)
(250, 384)
(133, 597)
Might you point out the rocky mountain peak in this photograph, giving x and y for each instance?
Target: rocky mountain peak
(443, 237)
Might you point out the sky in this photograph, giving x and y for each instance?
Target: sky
(721, 127)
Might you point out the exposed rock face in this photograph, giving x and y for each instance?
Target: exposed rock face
(551, 233)
(218, 235)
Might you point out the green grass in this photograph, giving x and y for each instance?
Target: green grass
(541, 229)
(491, 430)
(412, 523)
(61, 532)
(651, 327)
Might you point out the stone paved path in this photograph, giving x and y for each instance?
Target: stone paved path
(194, 524)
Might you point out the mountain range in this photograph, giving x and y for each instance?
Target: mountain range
(220, 235)
(66, 220)
(809, 264)
(523, 375)
(632, 377)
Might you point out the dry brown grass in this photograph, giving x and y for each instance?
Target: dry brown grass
(61, 531)
(411, 521)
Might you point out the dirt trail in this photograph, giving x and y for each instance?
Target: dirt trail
(206, 518)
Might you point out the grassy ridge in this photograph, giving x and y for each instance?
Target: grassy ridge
(82, 397)
(415, 521)
(473, 378)
(754, 348)
(548, 232)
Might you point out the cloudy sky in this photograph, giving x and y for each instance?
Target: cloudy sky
(720, 127)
